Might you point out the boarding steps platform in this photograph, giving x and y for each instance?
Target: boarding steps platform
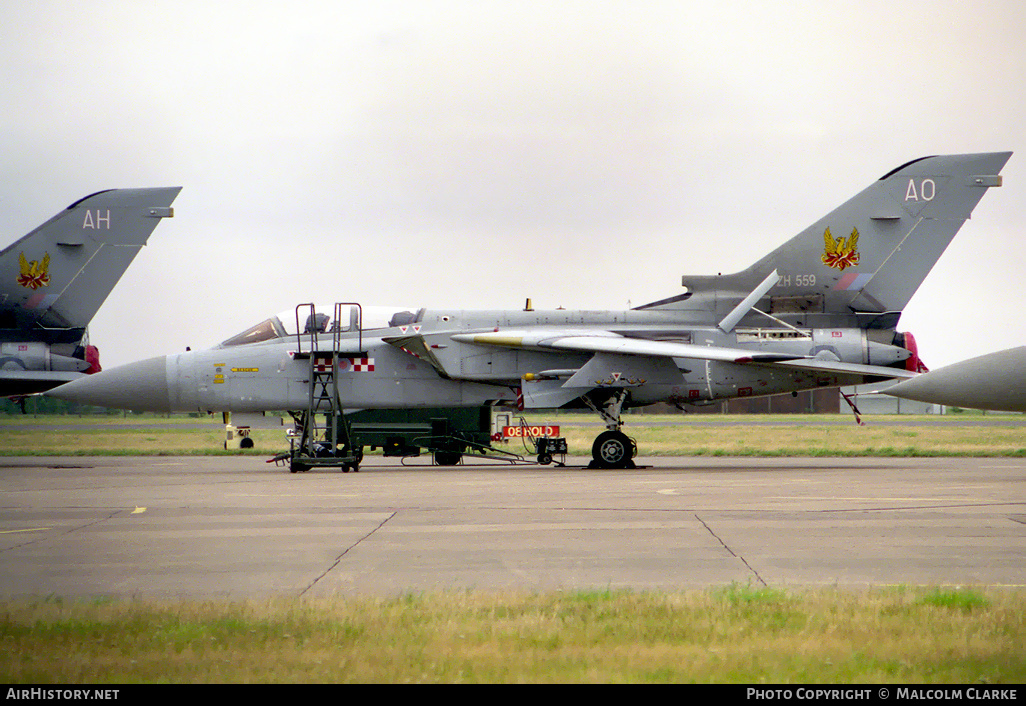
(322, 436)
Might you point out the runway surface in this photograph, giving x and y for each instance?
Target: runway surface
(237, 527)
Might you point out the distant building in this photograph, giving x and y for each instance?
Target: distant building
(827, 400)
(823, 401)
(869, 403)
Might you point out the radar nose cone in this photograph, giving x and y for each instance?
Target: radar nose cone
(993, 381)
(140, 386)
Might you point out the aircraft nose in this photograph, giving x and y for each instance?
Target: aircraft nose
(139, 386)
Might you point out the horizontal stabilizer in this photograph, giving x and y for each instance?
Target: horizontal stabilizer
(837, 367)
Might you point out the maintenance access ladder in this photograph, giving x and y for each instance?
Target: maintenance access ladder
(327, 443)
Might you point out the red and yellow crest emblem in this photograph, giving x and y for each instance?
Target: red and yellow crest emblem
(34, 274)
(841, 253)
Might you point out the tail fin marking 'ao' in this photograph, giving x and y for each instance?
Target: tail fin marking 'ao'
(58, 275)
(871, 253)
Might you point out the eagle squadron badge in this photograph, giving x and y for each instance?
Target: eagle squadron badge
(841, 253)
(34, 274)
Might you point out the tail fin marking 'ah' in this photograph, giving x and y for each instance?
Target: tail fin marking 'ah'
(58, 275)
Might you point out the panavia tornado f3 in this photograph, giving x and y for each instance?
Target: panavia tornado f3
(819, 311)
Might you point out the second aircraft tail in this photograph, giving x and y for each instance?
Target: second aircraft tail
(58, 275)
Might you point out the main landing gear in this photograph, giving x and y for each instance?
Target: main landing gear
(612, 448)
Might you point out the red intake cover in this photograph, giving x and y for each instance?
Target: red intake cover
(92, 356)
(913, 363)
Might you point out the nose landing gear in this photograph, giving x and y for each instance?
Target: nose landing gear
(612, 448)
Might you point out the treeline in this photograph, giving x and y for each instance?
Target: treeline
(40, 405)
(37, 404)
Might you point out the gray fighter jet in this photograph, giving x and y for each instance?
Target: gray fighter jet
(994, 381)
(54, 279)
(819, 311)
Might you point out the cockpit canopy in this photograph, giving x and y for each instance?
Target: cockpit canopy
(304, 320)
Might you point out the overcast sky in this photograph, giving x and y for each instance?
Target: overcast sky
(473, 154)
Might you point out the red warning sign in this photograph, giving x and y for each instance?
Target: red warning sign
(536, 430)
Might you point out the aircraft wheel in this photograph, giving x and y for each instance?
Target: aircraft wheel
(448, 458)
(612, 449)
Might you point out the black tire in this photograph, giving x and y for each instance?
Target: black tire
(296, 467)
(448, 458)
(245, 443)
(612, 449)
(544, 459)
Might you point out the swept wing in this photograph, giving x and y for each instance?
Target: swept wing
(610, 342)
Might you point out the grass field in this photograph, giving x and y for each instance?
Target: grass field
(733, 634)
(736, 634)
(656, 435)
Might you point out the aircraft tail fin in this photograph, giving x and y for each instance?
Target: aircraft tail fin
(871, 253)
(58, 275)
